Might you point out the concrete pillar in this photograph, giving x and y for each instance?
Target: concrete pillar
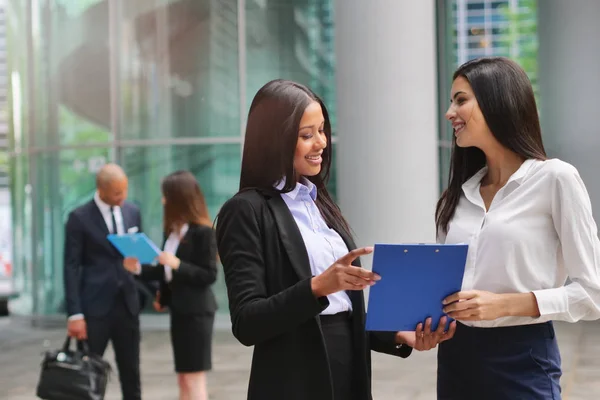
(387, 154)
(569, 84)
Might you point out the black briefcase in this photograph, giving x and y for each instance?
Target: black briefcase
(73, 374)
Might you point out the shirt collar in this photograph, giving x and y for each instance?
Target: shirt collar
(182, 231)
(471, 186)
(473, 182)
(104, 207)
(521, 173)
(304, 186)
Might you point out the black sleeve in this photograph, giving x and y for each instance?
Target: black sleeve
(73, 259)
(139, 213)
(255, 316)
(152, 273)
(385, 342)
(201, 269)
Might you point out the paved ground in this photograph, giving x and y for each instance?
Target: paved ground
(397, 379)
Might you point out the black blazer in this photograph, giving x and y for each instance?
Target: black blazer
(267, 272)
(93, 267)
(189, 291)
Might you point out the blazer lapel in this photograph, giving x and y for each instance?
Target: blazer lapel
(184, 248)
(99, 219)
(290, 236)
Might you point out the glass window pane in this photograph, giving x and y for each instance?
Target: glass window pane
(64, 181)
(445, 157)
(478, 19)
(21, 223)
(476, 6)
(179, 69)
(74, 80)
(291, 40)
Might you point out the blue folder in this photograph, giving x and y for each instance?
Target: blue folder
(415, 278)
(136, 245)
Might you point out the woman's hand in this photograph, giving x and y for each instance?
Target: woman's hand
(478, 305)
(169, 259)
(341, 275)
(475, 305)
(423, 339)
(132, 265)
(156, 303)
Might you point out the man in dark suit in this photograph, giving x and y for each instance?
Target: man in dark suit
(101, 296)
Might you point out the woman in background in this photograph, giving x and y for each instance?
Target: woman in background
(186, 271)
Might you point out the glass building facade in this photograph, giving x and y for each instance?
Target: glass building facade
(162, 85)
(495, 28)
(153, 85)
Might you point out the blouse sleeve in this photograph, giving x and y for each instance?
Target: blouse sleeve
(579, 250)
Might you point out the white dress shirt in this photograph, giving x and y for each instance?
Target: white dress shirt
(106, 214)
(171, 246)
(538, 231)
(323, 244)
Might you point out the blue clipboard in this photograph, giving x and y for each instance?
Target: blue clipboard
(136, 245)
(415, 278)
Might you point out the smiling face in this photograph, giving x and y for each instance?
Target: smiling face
(311, 142)
(468, 122)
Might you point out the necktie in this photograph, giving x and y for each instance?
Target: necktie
(114, 221)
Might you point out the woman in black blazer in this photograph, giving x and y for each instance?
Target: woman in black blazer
(291, 267)
(186, 271)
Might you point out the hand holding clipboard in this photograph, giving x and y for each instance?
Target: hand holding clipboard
(417, 278)
(136, 245)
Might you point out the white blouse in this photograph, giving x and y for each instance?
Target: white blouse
(538, 231)
(171, 246)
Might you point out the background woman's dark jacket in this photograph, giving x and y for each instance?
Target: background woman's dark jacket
(189, 291)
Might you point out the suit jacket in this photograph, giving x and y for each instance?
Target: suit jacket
(189, 291)
(93, 268)
(268, 277)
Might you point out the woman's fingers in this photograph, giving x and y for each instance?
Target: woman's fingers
(361, 273)
(354, 254)
(449, 334)
(460, 306)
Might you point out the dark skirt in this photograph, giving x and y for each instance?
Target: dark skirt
(337, 332)
(516, 362)
(191, 337)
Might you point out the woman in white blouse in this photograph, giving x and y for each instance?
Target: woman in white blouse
(528, 222)
(186, 272)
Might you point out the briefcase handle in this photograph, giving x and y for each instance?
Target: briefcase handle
(82, 345)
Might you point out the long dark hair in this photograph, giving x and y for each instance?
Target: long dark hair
(270, 144)
(184, 202)
(507, 102)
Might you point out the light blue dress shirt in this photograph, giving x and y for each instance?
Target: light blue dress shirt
(323, 245)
